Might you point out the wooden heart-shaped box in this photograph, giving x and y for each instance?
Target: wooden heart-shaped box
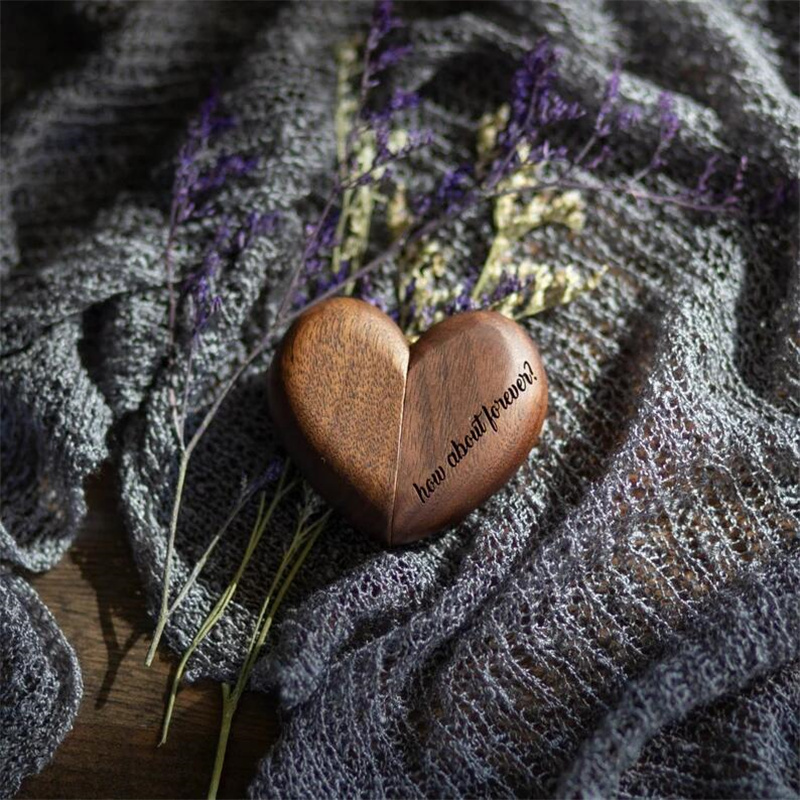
(406, 440)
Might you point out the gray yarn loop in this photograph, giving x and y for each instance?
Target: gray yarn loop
(620, 620)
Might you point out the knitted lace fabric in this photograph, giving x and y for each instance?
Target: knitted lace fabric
(40, 684)
(622, 617)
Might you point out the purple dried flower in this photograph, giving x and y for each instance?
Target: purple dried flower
(463, 302)
(390, 57)
(603, 122)
(738, 179)
(378, 57)
(320, 241)
(205, 304)
(702, 188)
(546, 152)
(703, 197)
(225, 167)
(227, 243)
(402, 100)
(453, 188)
(670, 125)
(535, 105)
(383, 22)
(256, 225)
(509, 283)
(382, 134)
(271, 473)
(209, 122)
(368, 294)
(192, 184)
(738, 182)
(599, 158)
(453, 192)
(532, 85)
(342, 272)
(629, 116)
(274, 469)
(192, 193)
(200, 285)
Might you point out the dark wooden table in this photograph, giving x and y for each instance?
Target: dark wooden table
(95, 595)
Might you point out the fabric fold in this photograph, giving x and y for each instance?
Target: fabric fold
(40, 684)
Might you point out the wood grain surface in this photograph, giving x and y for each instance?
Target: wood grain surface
(336, 395)
(95, 595)
(476, 399)
(406, 442)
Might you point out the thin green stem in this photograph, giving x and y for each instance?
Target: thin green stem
(343, 126)
(177, 500)
(228, 710)
(210, 621)
(341, 227)
(303, 540)
(170, 265)
(173, 527)
(244, 498)
(216, 613)
(268, 617)
(299, 539)
(184, 409)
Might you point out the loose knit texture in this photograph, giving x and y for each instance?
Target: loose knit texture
(622, 618)
(40, 683)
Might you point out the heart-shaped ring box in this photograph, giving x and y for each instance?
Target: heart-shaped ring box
(406, 440)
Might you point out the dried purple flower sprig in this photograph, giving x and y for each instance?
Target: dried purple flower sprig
(194, 182)
(526, 160)
(195, 185)
(369, 142)
(528, 143)
(228, 244)
(194, 188)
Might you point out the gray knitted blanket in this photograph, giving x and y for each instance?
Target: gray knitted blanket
(622, 619)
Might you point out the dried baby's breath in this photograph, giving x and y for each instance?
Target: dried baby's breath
(509, 281)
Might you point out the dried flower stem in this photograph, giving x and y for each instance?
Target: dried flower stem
(173, 526)
(626, 188)
(262, 520)
(303, 540)
(186, 455)
(344, 135)
(173, 302)
(327, 209)
(241, 502)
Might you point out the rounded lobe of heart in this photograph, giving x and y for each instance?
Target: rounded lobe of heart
(336, 389)
(475, 403)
